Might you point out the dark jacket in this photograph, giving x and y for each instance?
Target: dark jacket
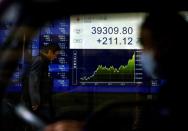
(39, 82)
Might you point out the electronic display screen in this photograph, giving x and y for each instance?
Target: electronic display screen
(99, 53)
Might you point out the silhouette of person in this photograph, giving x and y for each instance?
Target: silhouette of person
(164, 38)
(40, 83)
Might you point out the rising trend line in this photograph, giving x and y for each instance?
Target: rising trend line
(123, 73)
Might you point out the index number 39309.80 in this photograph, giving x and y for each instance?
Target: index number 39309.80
(111, 30)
